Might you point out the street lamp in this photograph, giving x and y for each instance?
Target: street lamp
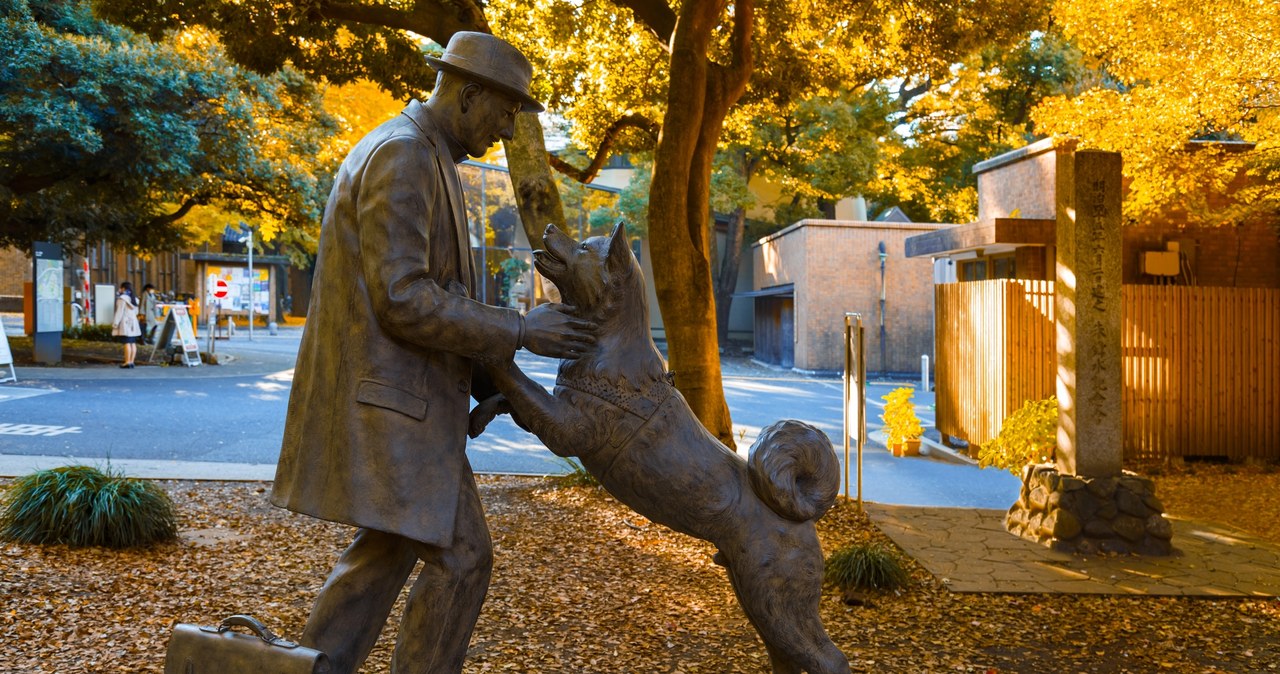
(246, 227)
(884, 255)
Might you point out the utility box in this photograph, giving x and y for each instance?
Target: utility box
(1160, 262)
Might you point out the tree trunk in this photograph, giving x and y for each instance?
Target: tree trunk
(727, 278)
(698, 99)
(536, 195)
(731, 260)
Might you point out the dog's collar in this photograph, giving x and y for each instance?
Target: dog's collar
(641, 402)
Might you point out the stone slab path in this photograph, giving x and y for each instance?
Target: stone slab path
(969, 550)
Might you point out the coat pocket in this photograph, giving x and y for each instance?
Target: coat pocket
(377, 394)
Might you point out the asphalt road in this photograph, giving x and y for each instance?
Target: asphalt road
(235, 413)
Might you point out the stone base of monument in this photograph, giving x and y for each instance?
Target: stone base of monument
(1090, 515)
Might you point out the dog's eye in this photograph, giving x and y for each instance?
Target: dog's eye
(582, 246)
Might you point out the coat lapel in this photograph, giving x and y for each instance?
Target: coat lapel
(453, 192)
(450, 172)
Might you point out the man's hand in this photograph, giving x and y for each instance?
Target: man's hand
(551, 330)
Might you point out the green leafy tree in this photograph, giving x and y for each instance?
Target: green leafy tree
(342, 42)
(105, 134)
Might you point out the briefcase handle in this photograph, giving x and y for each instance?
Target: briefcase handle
(241, 620)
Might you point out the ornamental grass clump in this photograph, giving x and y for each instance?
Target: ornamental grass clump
(1029, 435)
(578, 476)
(82, 506)
(865, 566)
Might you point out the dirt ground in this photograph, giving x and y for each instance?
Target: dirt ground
(581, 584)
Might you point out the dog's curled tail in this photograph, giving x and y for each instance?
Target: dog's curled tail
(793, 468)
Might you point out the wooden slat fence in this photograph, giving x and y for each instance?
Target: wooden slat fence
(995, 349)
(1201, 365)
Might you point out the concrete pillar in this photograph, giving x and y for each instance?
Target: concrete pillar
(1089, 376)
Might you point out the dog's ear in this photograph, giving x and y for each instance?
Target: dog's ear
(619, 244)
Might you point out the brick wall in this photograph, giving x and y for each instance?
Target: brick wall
(1032, 262)
(1020, 180)
(1247, 256)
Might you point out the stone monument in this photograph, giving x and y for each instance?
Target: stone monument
(1087, 502)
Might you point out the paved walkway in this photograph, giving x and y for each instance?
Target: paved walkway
(970, 551)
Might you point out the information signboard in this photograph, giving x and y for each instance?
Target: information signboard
(178, 322)
(48, 287)
(6, 359)
(241, 288)
(46, 338)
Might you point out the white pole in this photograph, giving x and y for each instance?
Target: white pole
(924, 374)
(251, 280)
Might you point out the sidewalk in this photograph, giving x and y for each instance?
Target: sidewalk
(969, 550)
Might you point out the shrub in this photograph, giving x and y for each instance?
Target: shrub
(94, 332)
(578, 476)
(900, 420)
(1029, 435)
(81, 506)
(867, 566)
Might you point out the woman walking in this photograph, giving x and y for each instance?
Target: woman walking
(124, 325)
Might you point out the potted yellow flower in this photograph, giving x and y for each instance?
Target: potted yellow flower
(901, 425)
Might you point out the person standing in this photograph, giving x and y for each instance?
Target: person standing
(150, 313)
(375, 433)
(124, 323)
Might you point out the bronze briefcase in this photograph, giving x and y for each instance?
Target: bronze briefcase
(195, 649)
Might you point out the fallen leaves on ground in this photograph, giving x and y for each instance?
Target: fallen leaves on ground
(582, 584)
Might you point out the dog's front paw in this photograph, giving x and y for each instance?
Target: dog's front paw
(486, 411)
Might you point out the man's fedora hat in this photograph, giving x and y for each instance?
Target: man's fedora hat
(489, 61)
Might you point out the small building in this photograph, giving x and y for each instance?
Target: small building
(807, 276)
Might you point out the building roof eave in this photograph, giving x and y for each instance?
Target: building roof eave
(235, 258)
(980, 234)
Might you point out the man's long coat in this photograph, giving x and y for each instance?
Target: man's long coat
(377, 421)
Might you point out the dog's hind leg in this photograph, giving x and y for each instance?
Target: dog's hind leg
(780, 663)
(780, 588)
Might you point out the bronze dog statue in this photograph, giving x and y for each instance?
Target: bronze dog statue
(618, 413)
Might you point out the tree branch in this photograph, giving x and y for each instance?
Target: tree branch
(26, 184)
(906, 94)
(656, 15)
(436, 19)
(606, 144)
(743, 59)
(190, 203)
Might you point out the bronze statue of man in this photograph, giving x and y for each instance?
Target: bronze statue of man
(377, 420)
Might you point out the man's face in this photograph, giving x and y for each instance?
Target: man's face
(489, 116)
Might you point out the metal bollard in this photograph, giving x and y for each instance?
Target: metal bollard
(855, 394)
(924, 374)
(272, 328)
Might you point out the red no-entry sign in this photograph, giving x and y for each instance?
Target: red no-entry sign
(219, 288)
